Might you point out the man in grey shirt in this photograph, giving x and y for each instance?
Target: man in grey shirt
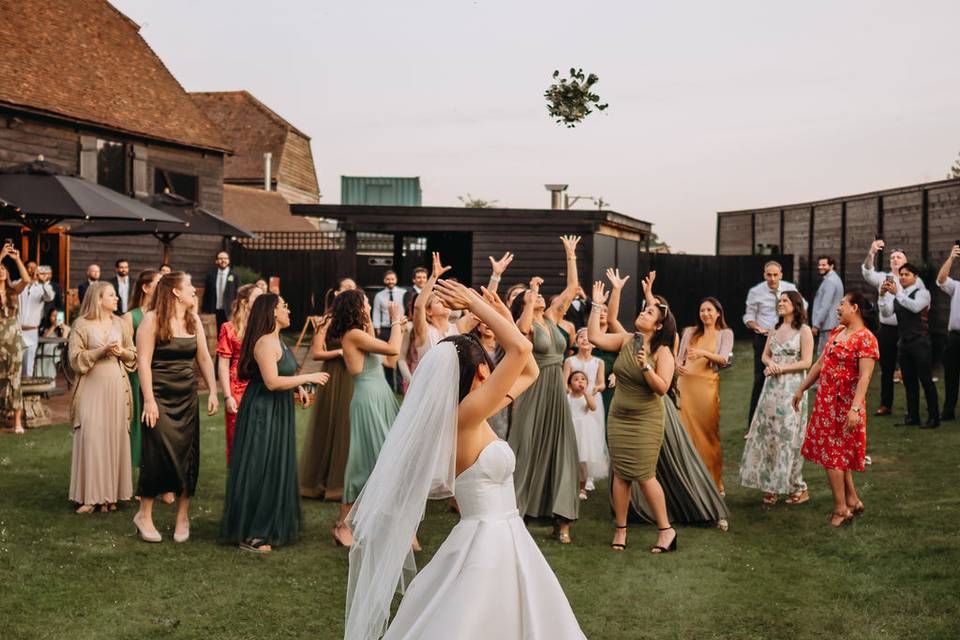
(825, 302)
(889, 336)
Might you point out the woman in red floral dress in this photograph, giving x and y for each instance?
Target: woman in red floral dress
(228, 352)
(837, 434)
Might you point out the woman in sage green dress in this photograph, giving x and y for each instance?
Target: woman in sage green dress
(262, 505)
(635, 425)
(139, 305)
(542, 434)
(373, 406)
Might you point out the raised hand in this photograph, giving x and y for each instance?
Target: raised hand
(599, 295)
(454, 295)
(877, 245)
(499, 266)
(613, 275)
(648, 281)
(496, 303)
(570, 244)
(438, 268)
(535, 283)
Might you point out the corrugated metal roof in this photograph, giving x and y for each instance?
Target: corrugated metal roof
(380, 191)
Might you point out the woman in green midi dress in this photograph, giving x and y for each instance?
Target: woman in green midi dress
(542, 435)
(635, 424)
(373, 406)
(262, 505)
(139, 305)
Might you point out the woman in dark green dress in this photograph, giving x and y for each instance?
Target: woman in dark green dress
(262, 505)
(542, 435)
(139, 305)
(170, 340)
(644, 373)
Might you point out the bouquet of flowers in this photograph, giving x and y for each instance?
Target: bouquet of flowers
(570, 100)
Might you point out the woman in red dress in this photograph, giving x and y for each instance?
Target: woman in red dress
(228, 352)
(837, 434)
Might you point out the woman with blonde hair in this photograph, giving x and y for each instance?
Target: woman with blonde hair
(169, 342)
(139, 305)
(101, 347)
(228, 357)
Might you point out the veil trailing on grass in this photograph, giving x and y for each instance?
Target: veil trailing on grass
(417, 462)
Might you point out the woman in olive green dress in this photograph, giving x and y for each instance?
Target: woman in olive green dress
(635, 425)
(262, 505)
(542, 434)
(139, 305)
(373, 406)
(170, 345)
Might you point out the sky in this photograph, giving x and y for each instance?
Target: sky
(714, 106)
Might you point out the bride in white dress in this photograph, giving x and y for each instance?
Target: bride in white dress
(488, 579)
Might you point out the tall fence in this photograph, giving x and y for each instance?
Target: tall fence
(684, 280)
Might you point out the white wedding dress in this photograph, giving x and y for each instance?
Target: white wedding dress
(488, 579)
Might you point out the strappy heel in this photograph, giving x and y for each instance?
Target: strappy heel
(616, 546)
(673, 543)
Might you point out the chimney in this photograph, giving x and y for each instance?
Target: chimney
(556, 195)
(267, 157)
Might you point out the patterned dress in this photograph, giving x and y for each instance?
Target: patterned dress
(828, 442)
(771, 458)
(228, 346)
(11, 359)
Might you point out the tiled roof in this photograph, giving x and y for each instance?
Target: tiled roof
(257, 210)
(251, 129)
(85, 61)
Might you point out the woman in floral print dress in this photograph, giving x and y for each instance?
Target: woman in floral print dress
(837, 435)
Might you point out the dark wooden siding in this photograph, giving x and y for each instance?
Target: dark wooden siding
(296, 176)
(24, 139)
(535, 254)
(735, 235)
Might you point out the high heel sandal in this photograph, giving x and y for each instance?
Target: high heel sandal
(847, 518)
(616, 546)
(336, 539)
(858, 510)
(86, 508)
(146, 537)
(673, 543)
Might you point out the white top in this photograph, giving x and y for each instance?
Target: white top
(434, 336)
(916, 304)
(222, 275)
(951, 287)
(381, 310)
(32, 300)
(589, 368)
(762, 303)
(123, 292)
(876, 278)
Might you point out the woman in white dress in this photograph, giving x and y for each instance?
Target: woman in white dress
(488, 579)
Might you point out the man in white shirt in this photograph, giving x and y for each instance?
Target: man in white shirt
(761, 317)
(420, 275)
(121, 284)
(381, 313)
(823, 318)
(951, 355)
(911, 304)
(32, 301)
(889, 335)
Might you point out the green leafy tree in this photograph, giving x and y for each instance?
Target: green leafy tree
(476, 203)
(955, 169)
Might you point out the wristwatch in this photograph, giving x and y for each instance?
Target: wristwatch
(647, 367)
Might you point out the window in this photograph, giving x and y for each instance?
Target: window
(181, 184)
(112, 166)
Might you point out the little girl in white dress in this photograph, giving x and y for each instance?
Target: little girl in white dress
(589, 425)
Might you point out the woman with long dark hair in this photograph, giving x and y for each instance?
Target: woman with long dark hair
(11, 340)
(139, 304)
(705, 349)
(488, 579)
(228, 357)
(644, 372)
(327, 443)
(837, 435)
(542, 433)
(170, 343)
(771, 458)
(262, 505)
(373, 405)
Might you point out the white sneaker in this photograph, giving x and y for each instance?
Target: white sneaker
(589, 485)
(866, 460)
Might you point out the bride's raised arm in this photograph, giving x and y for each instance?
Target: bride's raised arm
(515, 372)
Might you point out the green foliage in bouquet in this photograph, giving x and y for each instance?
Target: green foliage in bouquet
(570, 100)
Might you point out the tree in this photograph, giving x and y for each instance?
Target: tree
(569, 101)
(476, 203)
(955, 169)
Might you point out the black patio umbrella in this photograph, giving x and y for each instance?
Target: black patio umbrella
(45, 195)
(191, 220)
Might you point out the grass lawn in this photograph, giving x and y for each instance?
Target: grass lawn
(778, 573)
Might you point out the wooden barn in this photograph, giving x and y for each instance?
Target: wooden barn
(81, 87)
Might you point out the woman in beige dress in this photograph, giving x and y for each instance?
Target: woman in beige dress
(704, 350)
(100, 345)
